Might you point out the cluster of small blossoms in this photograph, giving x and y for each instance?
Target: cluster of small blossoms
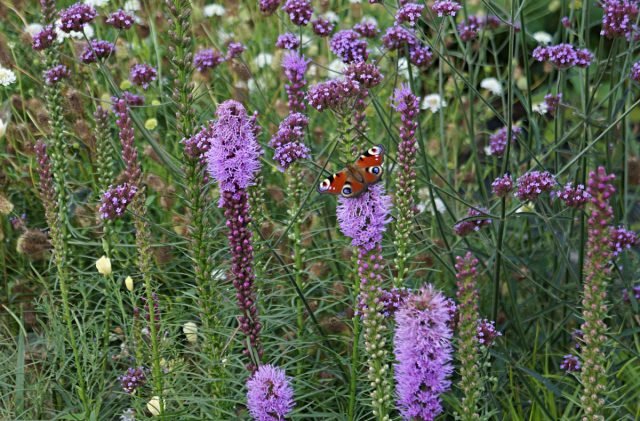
(115, 200)
(619, 18)
(207, 59)
(142, 75)
(234, 49)
(570, 363)
(445, 7)
(299, 11)
(268, 7)
(533, 184)
(498, 140)
(132, 100)
(76, 16)
(288, 41)
(621, 239)
(269, 394)
(322, 27)
(295, 67)
(133, 171)
(552, 102)
(573, 196)
(502, 186)
(336, 95)
(367, 28)
(487, 332)
(348, 45)
(392, 300)
(366, 74)
(566, 22)
(409, 13)
(403, 40)
(133, 379)
(97, 50)
(636, 294)
(44, 39)
(288, 141)
(563, 56)
(120, 20)
(635, 72)
(469, 28)
(196, 146)
(423, 349)
(56, 74)
(156, 309)
(469, 226)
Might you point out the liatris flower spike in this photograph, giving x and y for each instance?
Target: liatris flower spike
(269, 394)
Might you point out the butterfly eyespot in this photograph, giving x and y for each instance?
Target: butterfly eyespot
(375, 170)
(374, 151)
(325, 184)
(346, 190)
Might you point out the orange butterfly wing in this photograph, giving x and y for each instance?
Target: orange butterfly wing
(342, 183)
(355, 180)
(370, 164)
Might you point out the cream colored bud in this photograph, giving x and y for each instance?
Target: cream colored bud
(190, 330)
(154, 405)
(103, 265)
(128, 282)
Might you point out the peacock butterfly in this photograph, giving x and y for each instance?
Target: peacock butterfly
(357, 177)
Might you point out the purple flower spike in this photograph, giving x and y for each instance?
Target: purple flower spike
(422, 346)
(142, 75)
(288, 141)
(469, 226)
(288, 41)
(133, 379)
(532, 184)
(44, 39)
(197, 146)
(295, 66)
(97, 50)
(409, 13)
(347, 45)
(299, 11)
(126, 134)
(234, 158)
(445, 8)
(56, 74)
(322, 27)
(120, 20)
(269, 394)
(364, 218)
(74, 17)
(289, 153)
(207, 59)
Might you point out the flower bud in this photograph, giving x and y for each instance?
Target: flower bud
(128, 282)
(190, 330)
(103, 265)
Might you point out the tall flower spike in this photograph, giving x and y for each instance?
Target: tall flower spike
(408, 105)
(295, 66)
(269, 394)
(422, 346)
(127, 140)
(594, 308)
(234, 161)
(467, 294)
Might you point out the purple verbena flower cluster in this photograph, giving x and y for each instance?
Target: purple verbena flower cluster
(207, 59)
(133, 379)
(295, 67)
(322, 27)
(44, 39)
(619, 18)
(573, 196)
(348, 45)
(366, 74)
(498, 140)
(552, 102)
(268, 7)
(299, 11)
(234, 49)
(636, 294)
(336, 95)
(74, 17)
(533, 184)
(445, 7)
(120, 20)
(487, 332)
(570, 363)
(56, 74)
(97, 50)
(366, 28)
(621, 239)
(142, 75)
(288, 41)
(469, 28)
(132, 99)
(288, 141)
(635, 72)
(364, 218)
(409, 13)
(405, 42)
(502, 186)
(422, 346)
(563, 56)
(269, 394)
(468, 226)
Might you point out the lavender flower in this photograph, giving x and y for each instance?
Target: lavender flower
(367, 28)
(398, 38)
(563, 56)
(502, 186)
(142, 75)
(422, 347)
(366, 74)
(207, 59)
(498, 140)
(421, 56)
(269, 394)
(573, 196)
(44, 39)
(621, 239)
(133, 172)
(635, 72)
(487, 332)
(97, 50)
(56, 74)
(533, 184)
(363, 219)
(288, 41)
(120, 20)
(469, 28)
(115, 200)
(409, 13)
(392, 300)
(197, 146)
(333, 95)
(347, 45)
(288, 141)
(74, 17)
(299, 11)
(570, 363)
(295, 66)
(445, 8)
(268, 7)
(133, 379)
(619, 18)
(469, 226)
(322, 27)
(234, 49)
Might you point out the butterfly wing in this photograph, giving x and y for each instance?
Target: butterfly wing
(369, 165)
(342, 183)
